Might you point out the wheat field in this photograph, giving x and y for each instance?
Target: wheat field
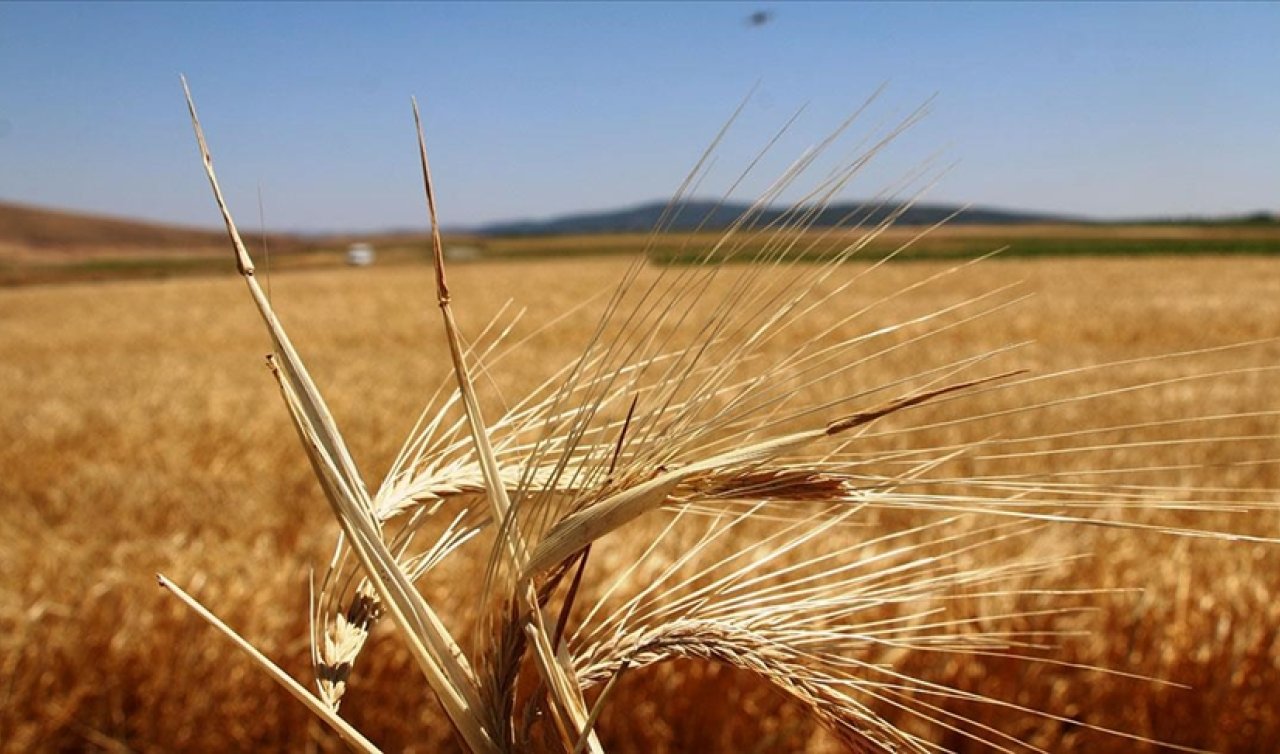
(142, 433)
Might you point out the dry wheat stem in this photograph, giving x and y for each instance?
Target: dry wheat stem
(436, 652)
(299, 692)
(560, 679)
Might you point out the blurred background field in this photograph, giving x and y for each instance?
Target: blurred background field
(40, 245)
(143, 433)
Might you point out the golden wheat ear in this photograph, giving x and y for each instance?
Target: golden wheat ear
(436, 653)
(578, 530)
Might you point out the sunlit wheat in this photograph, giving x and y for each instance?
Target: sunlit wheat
(702, 483)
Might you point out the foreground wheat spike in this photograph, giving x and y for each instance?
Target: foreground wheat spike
(749, 508)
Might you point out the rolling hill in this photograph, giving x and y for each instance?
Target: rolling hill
(39, 228)
(700, 214)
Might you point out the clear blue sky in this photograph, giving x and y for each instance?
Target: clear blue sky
(1107, 110)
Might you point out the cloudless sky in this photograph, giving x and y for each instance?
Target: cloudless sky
(1106, 110)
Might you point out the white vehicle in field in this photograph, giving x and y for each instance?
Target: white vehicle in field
(360, 255)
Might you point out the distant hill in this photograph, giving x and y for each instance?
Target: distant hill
(710, 215)
(38, 228)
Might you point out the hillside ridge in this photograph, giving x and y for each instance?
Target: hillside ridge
(704, 214)
(53, 229)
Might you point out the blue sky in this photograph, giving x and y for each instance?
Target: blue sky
(1106, 110)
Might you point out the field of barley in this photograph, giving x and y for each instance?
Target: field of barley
(142, 433)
